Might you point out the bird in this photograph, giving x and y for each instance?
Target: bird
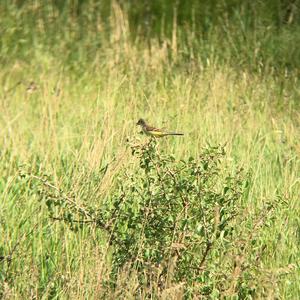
(152, 131)
(32, 87)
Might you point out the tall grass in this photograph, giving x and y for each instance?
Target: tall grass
(72, 89)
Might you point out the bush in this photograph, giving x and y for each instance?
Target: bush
(174, 223)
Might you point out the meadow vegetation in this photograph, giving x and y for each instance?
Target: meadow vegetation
(92, 209)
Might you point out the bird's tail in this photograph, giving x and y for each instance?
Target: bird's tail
(174, 133)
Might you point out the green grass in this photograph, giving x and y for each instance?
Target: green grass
(78, 120)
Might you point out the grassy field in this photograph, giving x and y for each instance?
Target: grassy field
(66, 123)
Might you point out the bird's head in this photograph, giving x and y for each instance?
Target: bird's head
(141, 122)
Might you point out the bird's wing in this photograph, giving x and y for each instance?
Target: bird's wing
(151, 128)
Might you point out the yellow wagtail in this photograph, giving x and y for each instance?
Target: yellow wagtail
(152, 131)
